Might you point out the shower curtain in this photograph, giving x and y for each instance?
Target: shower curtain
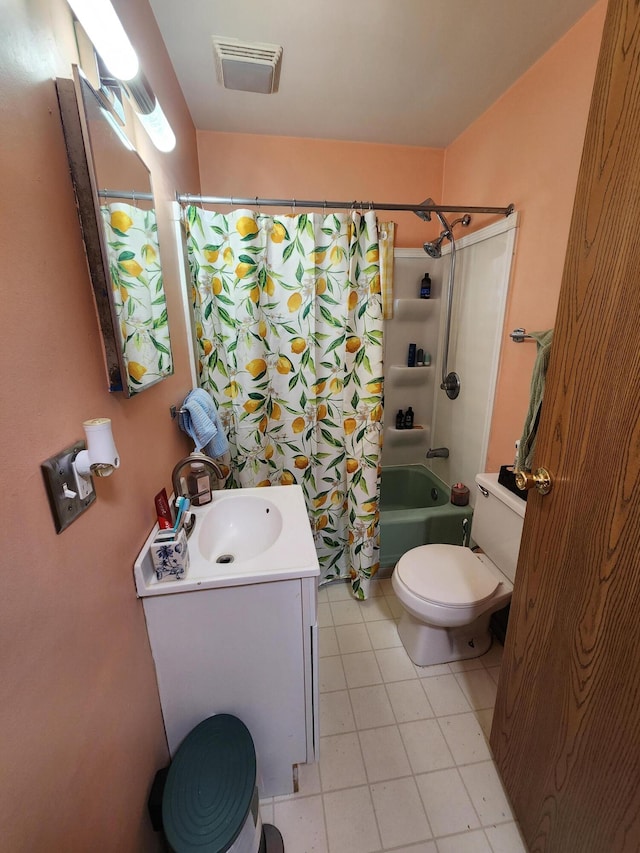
(288, 325)
(131, 236)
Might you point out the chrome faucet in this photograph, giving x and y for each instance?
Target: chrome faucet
(442, 452)
(207, 461)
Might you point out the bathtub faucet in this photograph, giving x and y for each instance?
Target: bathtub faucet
(442, 452)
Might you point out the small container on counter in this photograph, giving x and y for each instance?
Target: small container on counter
(199, 484)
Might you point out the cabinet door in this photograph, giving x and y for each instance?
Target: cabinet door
(237, 650)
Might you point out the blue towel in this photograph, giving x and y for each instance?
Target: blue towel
(200, 420)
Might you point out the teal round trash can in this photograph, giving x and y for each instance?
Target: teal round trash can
(210, 798)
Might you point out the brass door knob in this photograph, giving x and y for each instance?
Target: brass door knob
(541, 479)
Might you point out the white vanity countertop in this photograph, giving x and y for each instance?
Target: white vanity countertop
(292, 555)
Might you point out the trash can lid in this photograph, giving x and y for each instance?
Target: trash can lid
(209, 786)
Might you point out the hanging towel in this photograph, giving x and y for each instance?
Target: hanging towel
(528, 441)
(200, 420)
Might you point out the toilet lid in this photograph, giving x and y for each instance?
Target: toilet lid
(446, 574)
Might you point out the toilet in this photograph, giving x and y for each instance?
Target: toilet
(448, 592)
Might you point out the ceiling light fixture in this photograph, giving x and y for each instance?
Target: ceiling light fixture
(102, 25)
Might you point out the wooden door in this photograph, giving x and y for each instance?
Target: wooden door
(566, 730)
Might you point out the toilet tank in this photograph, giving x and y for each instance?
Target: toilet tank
(498, 517)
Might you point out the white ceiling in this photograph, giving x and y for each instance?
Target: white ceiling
(414, 72)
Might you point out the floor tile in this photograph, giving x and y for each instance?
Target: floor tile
(494, 656)
(479, 688)
(395, 664)
(446, 802)
(354, 638)
(383, 634)
(301, 822)
(361, 669)
(505, 838)
(374, 609)
(494, 672)
(409, 701)
(445, 695)
(331, 674)
(371, 707)
(322, 595)
(485, 718)
(425, 745)
(327, 642)
(351, 823)
(387, 588)
(341, 764)
(325, 617)
(425, 847)
(466, 665)
(470, 842)
(486, 792)
(434, 669)
(308, 779)
(384, 755)
(339, 591)
(395, 607)
(399, 811)
(465, 738)
(346, 612)
(376, 588)
(336, 715)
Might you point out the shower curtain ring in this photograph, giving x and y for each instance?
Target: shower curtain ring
(133, 198)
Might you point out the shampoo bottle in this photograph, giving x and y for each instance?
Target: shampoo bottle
(425, 287)
(400, 419)
(408, 418)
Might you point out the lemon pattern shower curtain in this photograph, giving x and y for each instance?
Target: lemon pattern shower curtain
(131, 235)
(289, 333)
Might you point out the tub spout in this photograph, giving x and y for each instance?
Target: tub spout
(441, 452)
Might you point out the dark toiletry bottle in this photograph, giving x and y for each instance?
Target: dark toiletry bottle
(400, 419)
(420, 358)
(408, 418)
(425, 287)
(411, 358)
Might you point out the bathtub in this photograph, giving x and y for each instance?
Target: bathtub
(415, 510)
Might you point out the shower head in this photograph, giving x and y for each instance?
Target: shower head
(425, 214)
(434, 249)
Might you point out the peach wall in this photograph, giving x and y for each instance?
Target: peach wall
(82, 733)
(244, 165)
(526, 149)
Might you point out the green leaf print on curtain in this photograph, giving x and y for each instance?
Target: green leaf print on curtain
(289, 331)
(138, 292)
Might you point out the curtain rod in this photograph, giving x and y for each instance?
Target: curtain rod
(125, 194)
(186, 198)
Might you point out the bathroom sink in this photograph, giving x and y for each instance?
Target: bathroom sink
(238, 528)
(244, 536)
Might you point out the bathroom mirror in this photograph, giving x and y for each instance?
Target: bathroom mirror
(116, 208)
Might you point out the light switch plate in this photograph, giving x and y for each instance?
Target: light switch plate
(60, 481)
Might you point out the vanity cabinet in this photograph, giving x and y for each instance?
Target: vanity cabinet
(248, 650)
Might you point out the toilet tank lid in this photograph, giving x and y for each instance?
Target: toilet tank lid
(447, 574)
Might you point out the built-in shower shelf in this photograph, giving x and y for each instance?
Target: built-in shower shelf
(412, 309)
(400, 374)
(396, 437)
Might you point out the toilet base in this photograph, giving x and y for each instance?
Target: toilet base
(427, 645)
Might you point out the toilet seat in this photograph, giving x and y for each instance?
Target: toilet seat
(446, 575)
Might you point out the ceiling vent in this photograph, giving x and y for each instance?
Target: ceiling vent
(249, 66)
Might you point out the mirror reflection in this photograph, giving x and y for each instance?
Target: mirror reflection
(117, 213)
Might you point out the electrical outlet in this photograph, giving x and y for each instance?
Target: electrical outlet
(67, 500)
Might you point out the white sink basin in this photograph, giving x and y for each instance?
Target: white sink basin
(244, 536)
(238, 529)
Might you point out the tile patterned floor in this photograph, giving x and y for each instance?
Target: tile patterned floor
(404, 758)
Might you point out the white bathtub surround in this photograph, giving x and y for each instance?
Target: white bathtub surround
(483, 270)
(409, 769)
